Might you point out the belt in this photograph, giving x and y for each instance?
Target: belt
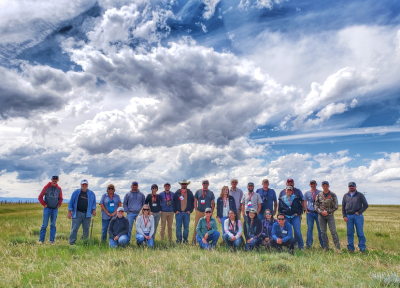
(313, 211)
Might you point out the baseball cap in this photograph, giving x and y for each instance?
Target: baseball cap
(54, 177)
(154, 186)
(120, 209)
(324, 182)
(250, 184)
(352, 184)
(134, 183)
(205, 181)
(252, 210)
(313, 182)
(84, 181)
(288, 180)
(167, 183)
(208, 210)
(289, 187)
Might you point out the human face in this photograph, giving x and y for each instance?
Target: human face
(265, 185)
(281, 221)
(183, 186)
(352, 188)
(252, 215)
(167, 187)
(290, 183)
(325, 187)
(226, 192)
(268, 215)
(120, 214)
(289, 192)
(250, 188)
(110, 191)
(145, 211)
(84, 186)
(231, 215)
(54, 182)
(314, 186)
(154, 190)
(205, 185)
(135, 188)
(234, 183)
(208, 214)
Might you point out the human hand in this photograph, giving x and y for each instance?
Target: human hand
(206, 236)
(233, 238)
(94, 213)
(116, 238)
(357, 213)
(204, 240)
(69, 214)
(346, 219)
(219, 220)
(325, 213)
(279, 241)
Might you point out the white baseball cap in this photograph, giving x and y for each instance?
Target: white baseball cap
(84, 181)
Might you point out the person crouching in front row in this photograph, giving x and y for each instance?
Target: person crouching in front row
(118, 230)
(145, 227)
(282, 234)
(252, 230)
(207, 231)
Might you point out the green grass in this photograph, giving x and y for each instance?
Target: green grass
(91, 263)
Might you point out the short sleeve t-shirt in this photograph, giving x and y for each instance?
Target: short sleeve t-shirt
(251, 201)
(204, 198)
(268, 197)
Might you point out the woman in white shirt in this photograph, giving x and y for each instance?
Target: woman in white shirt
(233, 230)
(145, 227)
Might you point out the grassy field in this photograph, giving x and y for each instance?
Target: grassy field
(24, 263)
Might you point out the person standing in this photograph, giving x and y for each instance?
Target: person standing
(312, 215)
(326, 204)
(236, 193)
(252, 230)
(250, 200)
(225, 202)
(81, 207)
(109, 203)
(167, 216)
(207, 230)
(53, 198)
(296, 192)
(290, 205)
(183, 205)
(154, 201)
(233, 230)
(267, 224)
(354, 205)
(145, 227)
(133, 203)
(203, 198)
(269, 200)
(282, 234)
(118, 230)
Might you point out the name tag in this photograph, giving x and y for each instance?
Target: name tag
(111, 204)
(181, 198)
(154, 204)
(203, 201)
(249, 204)
(284, 232)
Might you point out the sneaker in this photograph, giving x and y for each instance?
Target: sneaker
(41, 242)
(52, 243)
(350, 251)
(338, 251)
(363, 251)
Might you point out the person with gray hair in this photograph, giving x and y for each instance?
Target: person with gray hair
(237, 194)
(118, 230)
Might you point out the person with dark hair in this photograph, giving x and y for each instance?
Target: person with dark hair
(233, 230)
(167, 207)
(251, 200)
(252, 230)
(225, 202)
(53, 198)
(267, 224)
(183, 206)
(290, 205)
(154, 201)
(312, 214)
(268, 197)
(282, 234)
(109, 203)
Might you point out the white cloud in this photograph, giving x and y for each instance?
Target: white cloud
(209, 9)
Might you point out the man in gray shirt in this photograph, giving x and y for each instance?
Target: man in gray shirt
(251, 200)
(133, 203)
(203, 198)
(312, 214)
(236, 193)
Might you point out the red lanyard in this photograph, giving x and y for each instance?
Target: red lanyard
(203, 194)
(289, 200)
(145, 222)
(314, 196)
(154, 198)
(167, 196)
(232, 225)
(183, 194)
(225, 201)
(208, 224)
(329, 196)
(250, 196)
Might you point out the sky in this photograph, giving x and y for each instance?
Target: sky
(157, 91)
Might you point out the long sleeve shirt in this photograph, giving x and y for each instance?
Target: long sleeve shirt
(230, 228)
(143, 227)
(326, 202)
(52, 196)
(118, 227)
(202, 228)
(285, 233)
(351, 205)
(133, 202)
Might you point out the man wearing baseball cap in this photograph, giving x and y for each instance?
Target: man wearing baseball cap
(53, 198)
(203, 198)
(268, 197)
(167, 216)
(354, 205)
(207, 230)
(133, 203)
(251, 200)
(81, 207)
(312, 215)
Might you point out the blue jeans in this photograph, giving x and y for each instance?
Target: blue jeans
(235, 243)
(140, 239)
(358, 221)
(222, 223)
(311, 218)
(182, 218)
(253, 243)
(104, 229)
(296, 223)
(261, 217)
(213, 238)
(122, 241)
(52, 214)
(131, 218)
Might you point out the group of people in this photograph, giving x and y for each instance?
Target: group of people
(258, 208)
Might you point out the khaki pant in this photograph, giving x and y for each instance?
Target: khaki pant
(167, 217)
(196, 220)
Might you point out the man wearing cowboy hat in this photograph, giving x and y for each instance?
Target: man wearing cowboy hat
(183, 205)
(203, 198)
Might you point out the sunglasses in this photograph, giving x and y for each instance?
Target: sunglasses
(120, 211)
(234, 182)
(146, 209)
(268, 214)
(281, 219)
(352, 186)
(208, 212)
(110, 188)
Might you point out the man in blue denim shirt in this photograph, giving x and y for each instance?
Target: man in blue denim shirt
(81, 207)
(268, 197)
(312, 215)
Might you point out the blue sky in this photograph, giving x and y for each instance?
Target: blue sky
(161, 90)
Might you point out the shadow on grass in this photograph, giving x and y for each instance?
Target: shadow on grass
(22, 240)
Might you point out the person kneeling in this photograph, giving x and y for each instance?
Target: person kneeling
(282, 234)
(207, 231)
(118, 230)
(145, 227)
(252, 230)
(233, 230)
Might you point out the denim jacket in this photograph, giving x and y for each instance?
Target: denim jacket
(73, 203)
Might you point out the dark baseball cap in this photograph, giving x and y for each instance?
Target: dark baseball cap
(313, 182)
(352, 184)
(154, 186)
(250, 184)
(288, 180)
(54, 177)
(324, 182)
(134, 183)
